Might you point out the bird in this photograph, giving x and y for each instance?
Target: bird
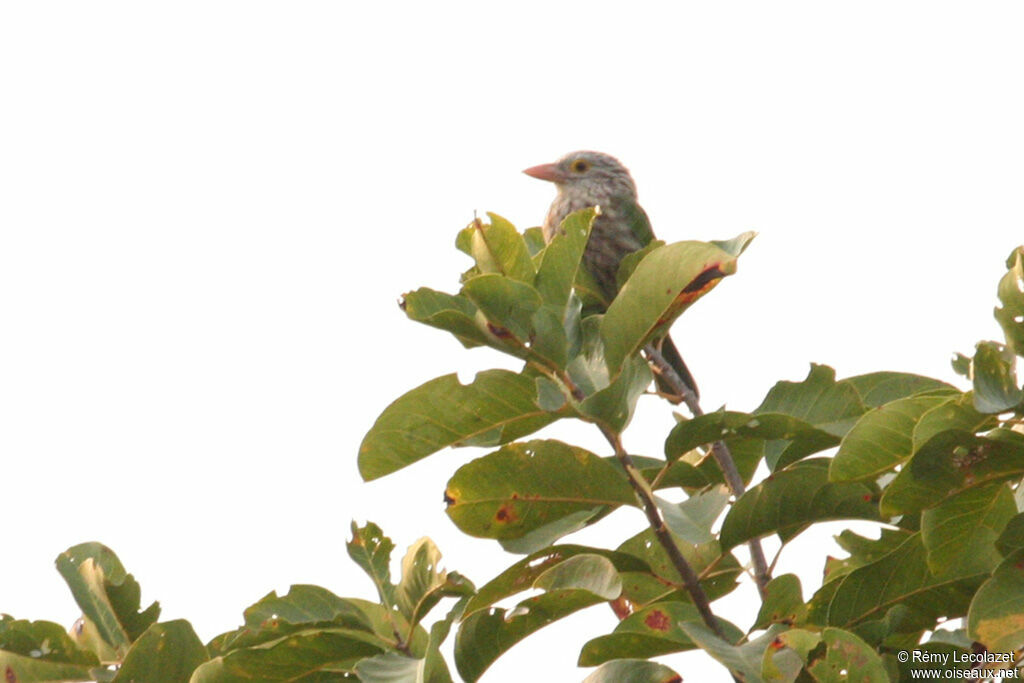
(586, 179)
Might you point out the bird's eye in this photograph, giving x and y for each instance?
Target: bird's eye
(580, 166)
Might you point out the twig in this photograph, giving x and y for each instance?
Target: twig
(691, 582)
(720, 452)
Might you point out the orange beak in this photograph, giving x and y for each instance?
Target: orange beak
(548, 172)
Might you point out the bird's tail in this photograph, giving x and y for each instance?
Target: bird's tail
(671, 354)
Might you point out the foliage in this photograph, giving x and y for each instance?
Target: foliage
(937, 469)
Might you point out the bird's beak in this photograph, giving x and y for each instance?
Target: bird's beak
(549, 172)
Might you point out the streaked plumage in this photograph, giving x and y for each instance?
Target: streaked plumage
(586, 179)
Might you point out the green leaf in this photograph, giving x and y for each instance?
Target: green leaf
(949, 463)
(525, 486)
(996, 617)
(497, 247)
(449, 312)
(371, 550)
(633, 671)
(546, 534)
(487, 634)
(717, 570)
(314, 654)
(665, 283)
(550, 396)
(723, 424)
(593, 573)
(549, 341)
(848, 657)
(783, 602)
(1012, 537)
(862, 551)
(41, 651)
(631, 260)
(613, 406)
(691, 520)
(794, 497)
(391, 667)
(534, 238)
(508, 305)
(424, 583)
(397, 667)
(560, 260)
(820, 401)
(737, 245)
(497, 407)
(958, 414)
(167, 652)
(521, 575)
(308, 608)
(961, 364)
(995, 378)
(879, 388)
(1011, 294)
(900, 577)
(742, 660)
(881, 439)
(649, 632)
(960, 534)
(106, 594)
(785, 658)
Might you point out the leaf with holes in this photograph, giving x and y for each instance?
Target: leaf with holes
(167, 652)
(1010, 314)
(497, 407)
(993, 372)
(424, 583)
(107, 594)
(952, 462)
(42, 651)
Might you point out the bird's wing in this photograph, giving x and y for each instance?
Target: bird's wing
(639, 224)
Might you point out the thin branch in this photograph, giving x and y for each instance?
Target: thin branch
(720, 452)
(691, 582)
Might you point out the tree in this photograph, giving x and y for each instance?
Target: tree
(938, 469)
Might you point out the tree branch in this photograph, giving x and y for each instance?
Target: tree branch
(720, 452)
(691, 582)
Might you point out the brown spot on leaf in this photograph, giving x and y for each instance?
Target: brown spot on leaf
(777, 644)
(449, 500)
(506, 514)
(401, 303)
(498, 331)
(701, 281)
(657, 620)
(866, 497)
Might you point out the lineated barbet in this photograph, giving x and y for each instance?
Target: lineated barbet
(585, 179)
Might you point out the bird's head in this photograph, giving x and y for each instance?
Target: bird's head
(587, 173)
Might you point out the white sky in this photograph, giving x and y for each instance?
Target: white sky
(209, 209)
